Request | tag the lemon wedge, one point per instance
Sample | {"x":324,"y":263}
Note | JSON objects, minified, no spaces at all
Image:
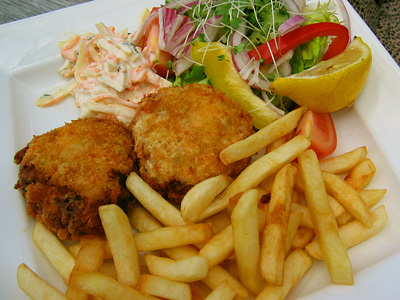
{"x":332,"y":84}
{"x":220,"y":70}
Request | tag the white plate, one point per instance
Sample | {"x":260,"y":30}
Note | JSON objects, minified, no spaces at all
{"x":29,"y":59}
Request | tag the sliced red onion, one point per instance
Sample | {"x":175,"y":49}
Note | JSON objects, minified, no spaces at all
{"x":291,"y":24}
{"x":186,"y":7}
{"x":345,"y":15}
{"x":182,"y":64}
{"x":270,"y":105}
{"x":183,"y":56}
{"x":240,"y":60}
{"x":285,"y":58}
{"x":294,"y":6}
{"x":248,"y":68}
{"x":254,"y":79}
{"x":210,"y":29}
{"x":301,"y":4}
{"x":175,"y":30}
{"x":285,"y":69}
{"x":138,"y":37}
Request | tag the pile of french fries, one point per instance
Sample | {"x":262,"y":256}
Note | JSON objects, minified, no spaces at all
{"x":254,"y":236}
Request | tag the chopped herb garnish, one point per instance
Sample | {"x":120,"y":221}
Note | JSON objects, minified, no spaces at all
{"x":169,"y":65}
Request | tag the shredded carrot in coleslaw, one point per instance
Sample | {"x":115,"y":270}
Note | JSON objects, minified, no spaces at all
{"x":110,"y":75}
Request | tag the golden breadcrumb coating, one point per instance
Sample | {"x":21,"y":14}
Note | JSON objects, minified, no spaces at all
{"x":179,"y":133}
{"x":67,"y":173}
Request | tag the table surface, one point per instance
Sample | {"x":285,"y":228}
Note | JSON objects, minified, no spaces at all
{"x":12,"y":10}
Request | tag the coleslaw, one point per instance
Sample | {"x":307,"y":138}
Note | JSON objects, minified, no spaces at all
{"x":110,"y":74}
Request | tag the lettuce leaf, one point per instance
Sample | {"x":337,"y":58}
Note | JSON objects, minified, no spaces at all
{"x":194,"y":75}
{"x":307,"y":55}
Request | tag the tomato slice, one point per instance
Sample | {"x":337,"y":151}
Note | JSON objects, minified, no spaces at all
{"x":320,"y":130}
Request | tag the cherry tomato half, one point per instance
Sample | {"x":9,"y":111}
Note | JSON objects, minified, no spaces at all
{"x":320,"y":130}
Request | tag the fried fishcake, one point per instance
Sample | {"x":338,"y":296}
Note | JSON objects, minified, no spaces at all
{"x":179,"y":133}
{"x":67,"y":173}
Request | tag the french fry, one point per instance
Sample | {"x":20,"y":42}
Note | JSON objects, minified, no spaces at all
{"x":279,"y":142}
{"x":160,"y":208}
{"x":306,"y":219}
{"x":262,"y":138}
{"x":361,"y":175}
{"x":263,"y":198}
{"x":231,"y":267}
{"x":35,"y":287}
{"x":223,"y":292}
{"x":199,"y":290}
{"x":145,"y":222}
{"x":262,"y":207}
{"x":89,"y":259}
{"x":298,"y":182}
{"x":91,"y":297}
{"x":191,"y":269}
{"x":257,"y":172}
{"x":54,"y":250}
{"x":343,"y":163}
{"x":233,"y":201}
{"x":219,"y":247}
{"x":216,"y":275}
{"x":74,"y":249}
{"x":274,"y":235}
{"x":121,"y":241}
{"x":354,"y":232}
{"x":169,"y":237}
{"x":262,"y":212}
{"x":348,"y":197}
{"x":181,"y":252}
{"x":293,"y":224}
{"x":302,"y":237}
{"x":266,"y":184}
{"x":164,"y":288}
{"x":296,"y":265}
{"x":108,"y":288}
{"x":334,"y":253}
{"x":371,"y":197}
{"x":201,"y":195}
{"x":246,"y":241}
{"x":108,"y":268}
{"x":336,"y":207}
{"x":141,"y":219}
{"x":219,"y":221}
{"x":296,"y":196}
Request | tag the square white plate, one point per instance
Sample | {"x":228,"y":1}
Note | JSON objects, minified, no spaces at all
{"x":29,"y":59}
